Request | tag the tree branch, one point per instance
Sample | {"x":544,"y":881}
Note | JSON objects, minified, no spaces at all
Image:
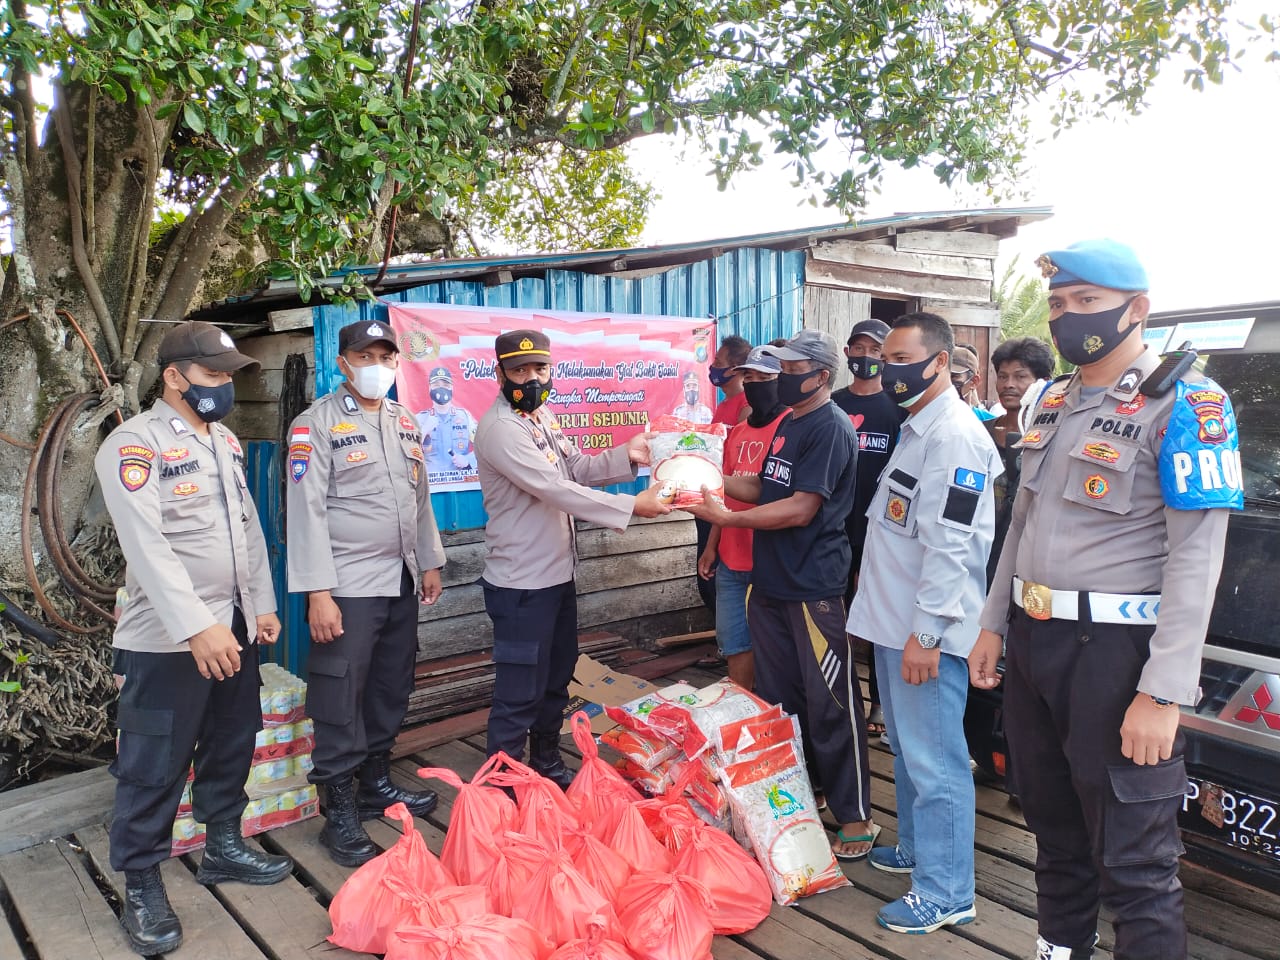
{"x":90,"y":228}
{"x":563,"y":76}
{"x":71,"y":165}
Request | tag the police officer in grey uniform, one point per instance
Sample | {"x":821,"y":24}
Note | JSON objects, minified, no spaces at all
{"x":535,"y":482}
{"x":199,"y":595}
{"x":448,"y":430}
{"x":364,"y":547}
{"x":1102,"y":597}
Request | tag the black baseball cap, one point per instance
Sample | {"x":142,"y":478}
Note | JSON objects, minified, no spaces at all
{"x":205,"y":344}
{"x":877,"y":330}
{"x":358,"y":335}
{"x":522,"y":346}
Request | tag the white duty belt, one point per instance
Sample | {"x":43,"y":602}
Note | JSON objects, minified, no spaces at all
{"x":1043,"y":603}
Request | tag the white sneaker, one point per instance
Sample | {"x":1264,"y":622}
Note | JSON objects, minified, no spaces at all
{"x":1048,"y":951}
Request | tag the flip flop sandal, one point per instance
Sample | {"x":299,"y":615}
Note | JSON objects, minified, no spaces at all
{"x":875,"y":721}
{"x":863,"y":838}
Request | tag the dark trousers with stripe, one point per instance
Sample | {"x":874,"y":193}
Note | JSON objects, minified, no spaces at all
{"x":804,"y":662}
{"x":169,"y":715}
{"x":535,"y":648}
{"x":1106,"y":829}
{"x":358,"y":685}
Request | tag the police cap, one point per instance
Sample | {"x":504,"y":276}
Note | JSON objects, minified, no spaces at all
{"x":522,"y":346}
{"x":206,"y":345}
{"x":358,"y":335}
{"x":440,"y":375}
{"x":1102,"y":263}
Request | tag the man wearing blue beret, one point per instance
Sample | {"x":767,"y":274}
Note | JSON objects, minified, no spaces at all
{"x":1101,"y":601}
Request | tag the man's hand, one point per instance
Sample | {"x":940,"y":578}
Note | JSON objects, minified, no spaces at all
{"x":1148,"y":730}
{"x":707,"y":564}
{"x":983,"y":659}
{"x":648,"y":505}
{"x":638,"y":448}
{"x":459,"y":461}
{"x":268,"y":628}
{"x":431,"y":588}
{"x":711,"y":509}
{"x":323,"y":617}
{"x":918,"y":664}
{"x":217,"y":652}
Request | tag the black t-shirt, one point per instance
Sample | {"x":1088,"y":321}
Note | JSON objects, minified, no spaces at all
{"x":816,"y":453}
{"x":877,"y":419}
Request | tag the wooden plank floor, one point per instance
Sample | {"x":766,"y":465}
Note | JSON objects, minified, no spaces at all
{"x":60,"y":899}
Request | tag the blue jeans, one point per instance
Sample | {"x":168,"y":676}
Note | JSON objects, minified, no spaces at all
{"x":931,"y":771}
{"x":732,"y":635}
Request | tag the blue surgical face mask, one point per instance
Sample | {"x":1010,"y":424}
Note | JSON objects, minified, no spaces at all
{"x":906,"y":382}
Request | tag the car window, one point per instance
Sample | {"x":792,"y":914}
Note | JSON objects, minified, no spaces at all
{"x":1253,"y":381}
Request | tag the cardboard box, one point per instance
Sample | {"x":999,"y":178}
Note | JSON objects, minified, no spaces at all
{"x":595,"y":686}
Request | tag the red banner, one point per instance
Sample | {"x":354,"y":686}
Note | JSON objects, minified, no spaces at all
{"x":611,"y":374}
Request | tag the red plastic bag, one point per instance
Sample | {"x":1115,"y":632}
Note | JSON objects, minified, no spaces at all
{"x":559,"y":902}
{"x":634,"y":842}
{"x":600,"y":865}
{"x":487,"y":937}
{"x":668,"y":815}
{"x":443,"y":906}
{"x":597,"y":786}
{"x":596,"y":946}
{"x":480,"y":814}
{"x":519,"y":858}
{"x":667,"y":917}
{"x":365,"y":909}
{"x":543,"y":811}
{"x":739,"y":890}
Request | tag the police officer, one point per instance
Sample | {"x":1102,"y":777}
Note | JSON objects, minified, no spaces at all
{"x":693,"y":409}
{"x":448,"y":430}
{"x":1102,"y":596}
{"x":199,"y":595}
{"x":922,"y":583}
{"x":535,"y":482}
{"x":363,"y":547}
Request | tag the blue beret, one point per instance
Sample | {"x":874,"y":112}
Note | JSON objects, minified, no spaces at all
{"x":1103,"y":263}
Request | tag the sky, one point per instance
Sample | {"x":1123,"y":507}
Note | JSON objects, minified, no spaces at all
{"x":1192,"y":184}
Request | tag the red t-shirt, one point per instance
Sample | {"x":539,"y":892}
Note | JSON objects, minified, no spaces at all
{"x":744,"y":453}
{"x":730,"y":409}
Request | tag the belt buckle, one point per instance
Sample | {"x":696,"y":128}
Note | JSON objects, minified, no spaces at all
{"x":1037,"y":600}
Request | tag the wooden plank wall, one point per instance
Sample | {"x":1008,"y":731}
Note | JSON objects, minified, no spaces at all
{"x":256,"y":415}
{"x":948,"y":273}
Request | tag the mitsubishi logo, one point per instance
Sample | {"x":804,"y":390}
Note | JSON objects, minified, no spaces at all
{"x":1262,"y":701}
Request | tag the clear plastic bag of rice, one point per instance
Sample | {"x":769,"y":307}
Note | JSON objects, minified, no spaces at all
{"x":686,"y":457}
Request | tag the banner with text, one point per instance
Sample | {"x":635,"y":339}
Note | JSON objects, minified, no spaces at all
{"x":611,"y":374}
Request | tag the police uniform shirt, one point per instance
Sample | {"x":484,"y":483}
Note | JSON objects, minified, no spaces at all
{"x":446,"y":435}
{"x":1090,"y":513}
{"x":535,"y":481}
{"x":187,"y":527}
{"x":929,"y":532}
{"x":358,"y":499}
{"x":693,"y":412}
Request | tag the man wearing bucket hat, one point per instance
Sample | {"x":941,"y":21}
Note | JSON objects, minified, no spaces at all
{"x":535,"y":483}
{"x":364,"y":548}
{"x":199,"y":596}
{"x":1101,"y":599}
{"x":800,"y":568}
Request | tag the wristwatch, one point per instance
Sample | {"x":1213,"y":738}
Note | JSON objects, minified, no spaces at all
{"x":928,"y":640}
{"x":1160,"y":701}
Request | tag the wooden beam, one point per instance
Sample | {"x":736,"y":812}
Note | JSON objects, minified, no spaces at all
{"x":896,"y":260}
{"x":683,"y":639}
{"x":843,"y":276}
{"x":962,"y":242}
{"x":984,"y":314}
{"x":55,"y":808}
{"x":301,"y":318}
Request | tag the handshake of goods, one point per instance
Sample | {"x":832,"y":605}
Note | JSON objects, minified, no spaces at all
{"x":686,"y":457}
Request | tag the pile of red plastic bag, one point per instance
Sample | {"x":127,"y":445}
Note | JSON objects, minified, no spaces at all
{"x":597,"y":873}
{"x":740,"y":761}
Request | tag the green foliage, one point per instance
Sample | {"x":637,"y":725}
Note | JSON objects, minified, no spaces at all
{"x":304,"y":99}
{"x":12,"y":686}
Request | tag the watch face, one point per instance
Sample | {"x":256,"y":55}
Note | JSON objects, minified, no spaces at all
{"x":927,"y":640}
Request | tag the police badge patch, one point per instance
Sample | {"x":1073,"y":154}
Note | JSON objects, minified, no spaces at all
{"x":299,"y":460}
{"x":135,"y":466}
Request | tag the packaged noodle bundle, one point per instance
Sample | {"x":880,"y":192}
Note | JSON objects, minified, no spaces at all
{"x":686,"y":457}
{"x":646,"y":752}
{"x":772,"y":798}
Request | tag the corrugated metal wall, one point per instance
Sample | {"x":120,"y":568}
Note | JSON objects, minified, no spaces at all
{"x":755,"y":293}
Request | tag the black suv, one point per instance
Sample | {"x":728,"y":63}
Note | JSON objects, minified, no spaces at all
{"x":1231,"y":814}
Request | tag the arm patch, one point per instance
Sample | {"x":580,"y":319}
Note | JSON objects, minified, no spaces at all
{"x":1200,"y":465}
{"x":961,"y":505}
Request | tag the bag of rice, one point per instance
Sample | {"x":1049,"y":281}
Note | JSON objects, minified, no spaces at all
{"x":694,"y":726}
{"x":634,"y":714}
{"x":686,"y":457}
{"x":771,"y":796}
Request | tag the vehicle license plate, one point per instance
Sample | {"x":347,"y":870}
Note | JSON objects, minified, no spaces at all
{"x":1238,"y":819}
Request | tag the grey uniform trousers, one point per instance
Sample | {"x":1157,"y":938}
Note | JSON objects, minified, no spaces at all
{"x":1106,"y":829}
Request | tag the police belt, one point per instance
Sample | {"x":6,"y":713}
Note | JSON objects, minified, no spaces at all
{"x":1043,"y":603}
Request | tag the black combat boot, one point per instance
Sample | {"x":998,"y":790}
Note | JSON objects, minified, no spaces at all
{"x":544,"y":757}
{"x":377,"y":792}
{"x":149,"y":922}
{"x":227,"y":858}
{"x":343,"y":836}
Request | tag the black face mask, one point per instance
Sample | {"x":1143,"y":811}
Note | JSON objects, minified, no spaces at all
{"x":442,"y":397}
{"x":866,"y":368}
{"x":791,"y":387}
{"x":906,"y":382}
{"x":1084,"y":338}
{"x":526,"y":397}
{"x":210,"y":404}
{"x":762,"y":398}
